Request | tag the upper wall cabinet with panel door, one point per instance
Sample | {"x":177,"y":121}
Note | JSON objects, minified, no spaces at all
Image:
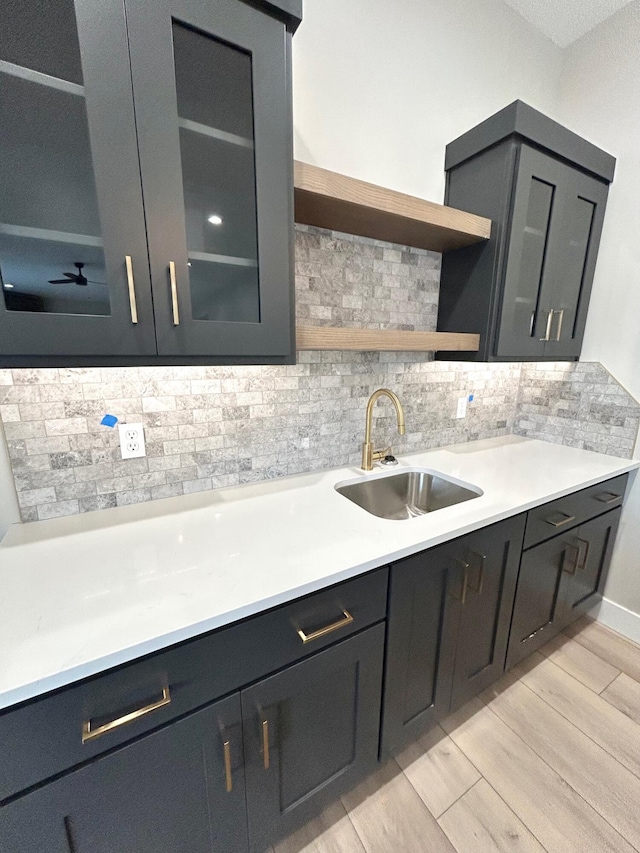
{"x":527,"y":290}
{"x":146,"y":212}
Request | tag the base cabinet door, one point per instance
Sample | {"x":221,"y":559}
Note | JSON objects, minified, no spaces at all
{"x":492,"y":555}
{"x":592,"y":546}
{"x":181,"y":788}
{"x":311,"y":732}
{"x":425,"y":596}
{"x":538,"y":604}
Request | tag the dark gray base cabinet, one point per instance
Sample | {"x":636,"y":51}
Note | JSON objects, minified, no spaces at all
{"x":448,"y":626}
{"x":308,"y":710}
{"x":559,"y":580}
{"x":281,"y":750}
{"x":310,"y":733}
{"x":526,"y":291}
{"x":167,"y":791}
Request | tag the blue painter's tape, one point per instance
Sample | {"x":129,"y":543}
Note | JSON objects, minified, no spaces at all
{"x":109,"y":421}
{"x":471,"y":398}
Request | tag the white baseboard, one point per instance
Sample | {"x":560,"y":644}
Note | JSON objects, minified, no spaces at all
{"x":615,"y":616}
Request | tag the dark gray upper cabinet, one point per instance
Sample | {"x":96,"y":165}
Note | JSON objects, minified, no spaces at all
{"x":214,"y":129}
{"x":70,"y":179}
{"x":149,"y":173}
{"x":527,"y":290}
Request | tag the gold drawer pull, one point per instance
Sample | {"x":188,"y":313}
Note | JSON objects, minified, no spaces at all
{"x":89,"y":733}
{"x":608,"y":497}
{"x":227,"y":766}
{"x":346,"y":619}
{"x":584,"y":555}
{"x":565,"y":559}
{"x":483,"y":559}
{"x":465,"y":581}
{"x":562,"y":522}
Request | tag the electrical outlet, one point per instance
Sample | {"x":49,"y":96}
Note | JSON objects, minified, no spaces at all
{"x":132,"y":441}
{"x":462,"y":407}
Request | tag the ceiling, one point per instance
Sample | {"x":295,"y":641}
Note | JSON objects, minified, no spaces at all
{"x":564,"y":21}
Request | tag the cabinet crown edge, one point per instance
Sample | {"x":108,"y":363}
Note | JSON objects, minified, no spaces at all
{"x":526,"y":123}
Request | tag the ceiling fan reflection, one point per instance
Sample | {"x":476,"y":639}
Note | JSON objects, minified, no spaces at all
{"x":75,"y":277}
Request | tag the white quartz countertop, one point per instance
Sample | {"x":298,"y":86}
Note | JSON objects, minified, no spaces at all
{"x":82,"y":594}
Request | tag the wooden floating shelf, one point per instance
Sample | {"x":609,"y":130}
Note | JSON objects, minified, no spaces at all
{"x":329,"y":200}
{"x":332,"y":338}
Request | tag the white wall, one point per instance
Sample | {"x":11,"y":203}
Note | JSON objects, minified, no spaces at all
{"x":8,"y":502}
{"x":600,"y":98}
{"x":381,"y":87}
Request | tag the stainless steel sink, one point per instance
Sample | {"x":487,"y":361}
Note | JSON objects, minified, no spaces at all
{"x":407,"y":494}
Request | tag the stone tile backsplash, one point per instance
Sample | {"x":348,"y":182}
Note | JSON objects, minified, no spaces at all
{"x":349,"y":281}
{"x":208,"y":427}
{"x":579,"y":404}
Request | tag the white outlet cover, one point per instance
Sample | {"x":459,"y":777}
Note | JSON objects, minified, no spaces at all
{"x":132,"y":441}
{"x":462,"y":407}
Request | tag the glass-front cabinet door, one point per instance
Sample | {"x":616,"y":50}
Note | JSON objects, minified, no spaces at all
{"x":556,"y":223}
{"x":580,"y":227}
{"x":213,"y":113}
{"x":74,"y":276}
{"x":533,"y":231}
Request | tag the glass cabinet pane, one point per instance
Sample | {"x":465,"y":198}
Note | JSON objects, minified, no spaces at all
{"x":534,"y":247}
{"x":571,"y":288}
{"x":42,"y":37}
{"x":51,"y":255}
{"x":215,"y":117}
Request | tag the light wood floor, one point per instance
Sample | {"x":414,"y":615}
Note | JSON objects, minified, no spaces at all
{"x":548,"y":759}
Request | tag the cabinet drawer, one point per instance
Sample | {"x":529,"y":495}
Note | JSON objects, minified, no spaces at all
{"x":77,"y":723}
{"x":547,"y":520}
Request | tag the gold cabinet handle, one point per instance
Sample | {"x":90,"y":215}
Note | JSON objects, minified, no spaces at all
{"x":345,"y":619}
{"x":227,"y":766}
{"x":547,"y":334}
{"x":89,"y":733}
{"x":565,"y":568}
{"x":465,"y":581}
{"x":608,"y":497}
{"x":265,"y":744}
{"x":132,"y":289}
{"x":561,"y":522}
{"x":174,"y":293}
{"x":483,"y":558}
{"x":582,"y":560}
{"x":561,"y":318}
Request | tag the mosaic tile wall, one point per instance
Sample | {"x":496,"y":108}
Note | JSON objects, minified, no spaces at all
{"x":211,"y":427}
{"x":208,"y":427}
{"x":581,"y":405}
{"x":349,"y":281}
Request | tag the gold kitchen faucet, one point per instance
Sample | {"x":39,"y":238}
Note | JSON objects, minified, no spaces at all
{"x":369,"y":455}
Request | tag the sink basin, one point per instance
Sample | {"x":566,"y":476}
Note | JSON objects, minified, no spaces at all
{"x":407,"y":494}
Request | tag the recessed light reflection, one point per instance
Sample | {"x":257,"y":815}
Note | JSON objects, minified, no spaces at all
{"x":214,"y":219}
{"x":8,"y":286}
